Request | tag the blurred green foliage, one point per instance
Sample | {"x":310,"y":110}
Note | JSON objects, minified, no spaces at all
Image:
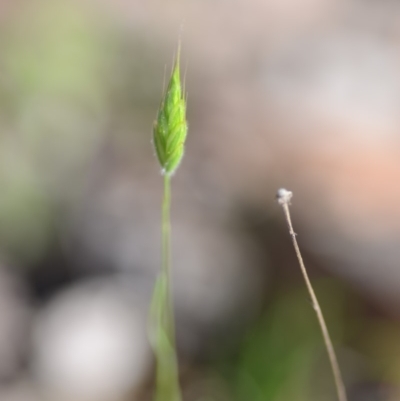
{"x":52,"y":98}
{"x":54,"y":48}
{"x":283,"y":356}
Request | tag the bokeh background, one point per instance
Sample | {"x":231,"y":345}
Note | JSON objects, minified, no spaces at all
{"x":299,"y":94}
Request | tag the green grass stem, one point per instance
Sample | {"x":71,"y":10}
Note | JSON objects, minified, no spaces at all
{"x":166,"y":254}
{"x":162,"y":316}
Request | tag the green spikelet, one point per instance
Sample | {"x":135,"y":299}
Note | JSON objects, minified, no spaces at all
{"x":170,"y":128}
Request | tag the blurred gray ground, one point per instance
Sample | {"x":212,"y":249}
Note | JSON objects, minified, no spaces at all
{"x":301,"y":94}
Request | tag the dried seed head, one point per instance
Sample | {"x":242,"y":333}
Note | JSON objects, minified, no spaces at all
{"x":284,"y":196}
{"x":170,"y":128}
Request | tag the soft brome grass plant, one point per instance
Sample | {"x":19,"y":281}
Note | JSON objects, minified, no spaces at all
{"x":169,"y":134}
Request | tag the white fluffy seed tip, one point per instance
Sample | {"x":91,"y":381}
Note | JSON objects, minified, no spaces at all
{"x":284,"y":196}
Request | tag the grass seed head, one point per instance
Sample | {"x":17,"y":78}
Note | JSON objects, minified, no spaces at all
{"x":170,"y":127}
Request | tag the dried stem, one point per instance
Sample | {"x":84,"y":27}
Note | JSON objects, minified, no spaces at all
{"x":284,"y":197}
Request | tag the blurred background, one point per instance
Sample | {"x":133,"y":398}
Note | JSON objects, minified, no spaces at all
{"x":299,"y":94}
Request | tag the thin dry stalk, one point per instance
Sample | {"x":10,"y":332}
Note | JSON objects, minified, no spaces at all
{"x":284,"y":197}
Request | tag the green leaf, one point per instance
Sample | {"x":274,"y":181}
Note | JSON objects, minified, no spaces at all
{"x":167,"y":385}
